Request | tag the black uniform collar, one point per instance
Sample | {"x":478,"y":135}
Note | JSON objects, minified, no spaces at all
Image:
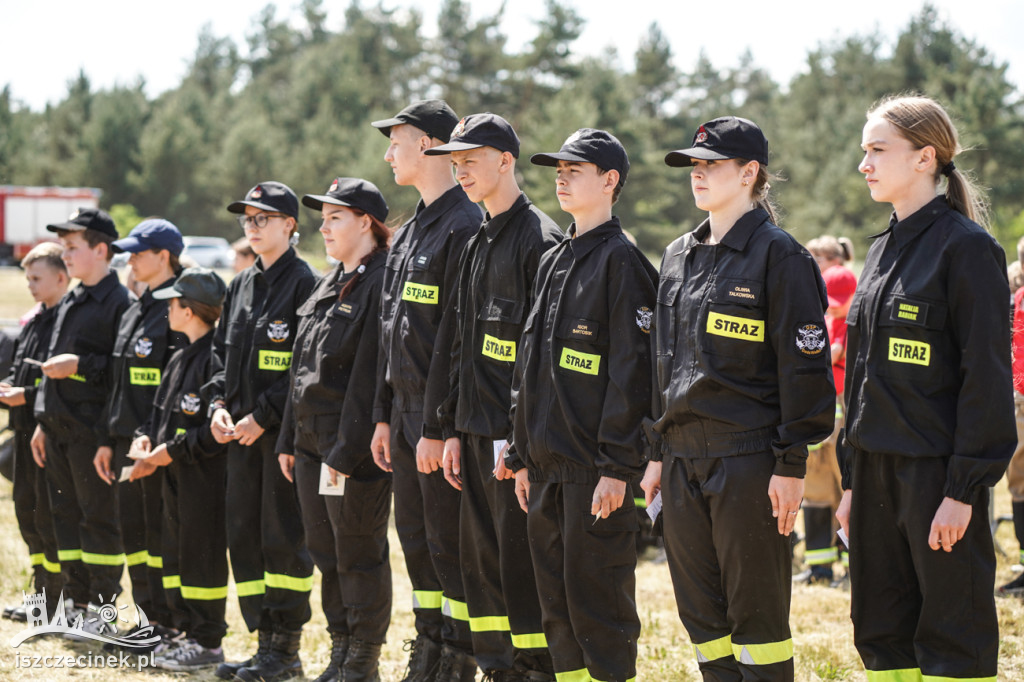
{"x":425,"y":215}
{"x":100,"y":290}
{"x":332,"y":283}
{"x":203,"y":342}
{"x":906,"y":230}
{"x":492,"y":226}
{"x":586,"y":242}
{"x":147,"y":296}
{"x":739,"y":235}
{"x":280,"y":266}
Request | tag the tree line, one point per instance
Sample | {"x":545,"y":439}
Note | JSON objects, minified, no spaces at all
{"x":294,"y":104}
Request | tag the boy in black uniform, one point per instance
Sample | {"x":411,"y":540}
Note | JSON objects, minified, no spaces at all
{"x":493,"y":298}
{"x":70,"y":408}
{"x":419,"y":285}
{"x":583,"y":383}
{"x":47,"y":282}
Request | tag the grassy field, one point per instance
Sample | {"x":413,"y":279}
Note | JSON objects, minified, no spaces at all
{"x":822,"y":632}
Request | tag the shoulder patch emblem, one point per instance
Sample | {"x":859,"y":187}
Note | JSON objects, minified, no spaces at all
{"x":143,"y":347}
{"x":190,"y":403}
{"x":810,"y":340}
{"x":278,"y":331}
{"x":643,"y":319}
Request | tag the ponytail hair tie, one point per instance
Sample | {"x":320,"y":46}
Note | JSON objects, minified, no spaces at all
{"x":948,"y":169}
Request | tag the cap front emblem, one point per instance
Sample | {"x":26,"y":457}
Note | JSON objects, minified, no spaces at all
{"x":256,"y":192}
{"x":73,"y":215}
{"x":334,"y":186}
{"x":460,"y":128}
{"x":701,"y":137}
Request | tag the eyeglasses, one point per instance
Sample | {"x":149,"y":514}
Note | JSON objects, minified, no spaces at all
{"x":260,"y":220}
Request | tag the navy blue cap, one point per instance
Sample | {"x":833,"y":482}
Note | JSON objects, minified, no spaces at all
{"x":275,"y":197}
{"x":480,"y":130}
{"x":588,"y":145}
{"x":155,"y":233}
{"x":354,"y":193}
{"x":728,"y":137}
{"x":87,"y":219}
{"x":196,"y":284}
{"x":432,"y":116}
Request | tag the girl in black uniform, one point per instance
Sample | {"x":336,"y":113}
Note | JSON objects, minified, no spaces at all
{"x":930,"y":421}
{"x":743,"y":387}
{"x":327,"y":427}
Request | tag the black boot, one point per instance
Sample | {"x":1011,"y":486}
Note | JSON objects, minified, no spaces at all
{"x":424,"y":654}
{"x":455,"y":666}
{"x":361,"y":662}
{"x":227,"y":671}
{"x":282,"y":663}
{"x":339,"y":649}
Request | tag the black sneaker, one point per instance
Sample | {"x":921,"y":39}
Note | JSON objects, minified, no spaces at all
{"x":193,"y":656}
{"x":1014,"y":588}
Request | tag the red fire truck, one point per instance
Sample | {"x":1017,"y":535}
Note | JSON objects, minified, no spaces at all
{"x":26,"y":211}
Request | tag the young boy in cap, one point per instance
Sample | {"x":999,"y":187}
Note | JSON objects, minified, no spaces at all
{"x":493,"y":297}
{"x":252,"y":352}
{"x":47,"y":282}
{"x":581,"y":394}
{"x":143,"y":346}
{"x":69,"y":407}
{"x":419,"y":287}
{"x":176,"y":439}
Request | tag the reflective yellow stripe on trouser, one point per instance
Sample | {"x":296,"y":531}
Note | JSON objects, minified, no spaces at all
{"x":940,"y":678}
{"x":713,"y":650}
{"x":102,"y":559}
{"x":763,"y":654}
{"x":136,"y":558}
{"x":172,"y":582}
{"x":154,"y":561}
{"x":581,"y":675}
{"x":489,"y":624}
{"x":456,"y":610}
{"x":533,"y":640}
{"x":250,"y":588}
{"x":40,"y":560}
{"x":69,"y":555}
{"x":204,"y":593}
{"x":904,"y":675}
{"x":287,"y":582}
{"x":427,"y":599}
{"x":819,"y":557}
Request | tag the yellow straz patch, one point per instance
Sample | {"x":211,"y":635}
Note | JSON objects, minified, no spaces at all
{"x":910,"y":352}
{"x":77,"y":377}
{"x":585,"y":363}
{"x":735,"y":327}
{"x":144,"y":376}
{"x":420,"y":293}
{"x":275,"y":360}
{"x":499,"y":349}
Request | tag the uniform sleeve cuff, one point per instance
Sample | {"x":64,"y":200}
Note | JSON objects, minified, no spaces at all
{"x":790,"y":470}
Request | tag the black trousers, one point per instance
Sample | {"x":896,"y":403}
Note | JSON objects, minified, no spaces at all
{"x":272,"y":569}
{"x":497,"y":572}
{"x":139,"y":508}
{"x":730,"y":567}
{"x":347,"y":537}
{"x":426,"y":518}
{"x":586,"y":581}
{"x":821,"y":550}
{"x":195,"y":547}
{"x":32,"y":511}
{"x":914,"y":607}
{"x":84,"y":518}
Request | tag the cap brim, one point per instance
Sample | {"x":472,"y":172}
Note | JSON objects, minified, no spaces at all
{"x":685,"y":157}
{"x":317,"y":201}
{"x":553,"y":159}
{"x":387,"y":124}
{"x":239,"y":207}
{"x":129,"y":244}
{"x":452,"y":147}
{"x":69,"y":227}
{"x":166,"y":292}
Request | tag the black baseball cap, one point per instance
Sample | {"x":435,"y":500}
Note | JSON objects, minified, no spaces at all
{"x":88,"y":219}
{"x":728,"y":137}
{"x":480,"y":130}
{"x":432,"y":116}
{"x":155,"y":233}
{"x":269,"y":196}
{"x":588,"y":145}
{"x":354,"y":193}
{"x":196,"y":284}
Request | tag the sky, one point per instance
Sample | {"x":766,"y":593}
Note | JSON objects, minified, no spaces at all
{"x":45,"y":44}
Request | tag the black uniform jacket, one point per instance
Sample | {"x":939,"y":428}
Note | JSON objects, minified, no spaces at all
{"x":495,"y":290}
{"x":178,"y":416}
{"x":33,"y":342}
{"x":743,"y":362}
{"x":582,"y":382}
{"x":252,"y":349}
{"x":87,"y":322}
{"x":143,"y":346}
{"x":334,"y":372}
{"x":928,"y":350}
{"x":419,"y":284}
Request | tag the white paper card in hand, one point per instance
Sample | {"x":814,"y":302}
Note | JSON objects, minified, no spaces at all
{"x":328,"y":488}
{"x":126,"y":473}
{"x":499,"y":445}
{"x":654,"y":508}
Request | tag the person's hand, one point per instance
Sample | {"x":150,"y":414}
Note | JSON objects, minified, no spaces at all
{"x":38,"y":447}
{"x":287,"y":463}
{"x":221,"y":426}
{"x":334,"y":475}
{"x":146,"y":461}
{"x":12,"y":396}
{"x":949,"y":524}
{"x":429,"y":454}
{"x":61,"y":366}
{"x":651,"y":482}
{"x":451,"y":460}
{"x":380,"y":446}
{"x":523,"y":488}
{"x":843,"y":512}
{"x":247,"y":431}
{"x":786,"y":493}
{"x":502,"y":472}
{"x":609,"y":494}
{"x":101,"y":462}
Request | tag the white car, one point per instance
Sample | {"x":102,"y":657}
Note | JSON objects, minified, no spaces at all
{"x":209,"y":252}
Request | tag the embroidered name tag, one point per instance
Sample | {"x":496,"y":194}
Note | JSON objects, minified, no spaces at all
{"x":499,"y":349}
{"x":585,"y":363}
{"x":735,"y":327}
{"x":910,"y":352}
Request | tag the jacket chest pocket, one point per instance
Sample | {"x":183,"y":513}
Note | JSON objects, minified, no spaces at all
{"x":735,"y":322}
{"x":913,"y":344}
{"x":424,"y":275}
{"x":583,"y":346}
{"x":500,"y":329}
{"x":342,"y":318}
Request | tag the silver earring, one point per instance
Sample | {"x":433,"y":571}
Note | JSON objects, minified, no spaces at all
{"x":745,"y":183}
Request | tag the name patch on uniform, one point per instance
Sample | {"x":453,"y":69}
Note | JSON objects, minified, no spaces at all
{"x":583,"y":329}
{"x":905,"y":310}
{"x":735,"y":327}
{"x":275,"y":360}
{"x":144,"y":376}
{"x":910,"y":352}
{"x":499,"y":349}
{"x":746,"y":292}
{"x":585,"y":363}
{"x":346,"y":309}
{"x":420,"y":293}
